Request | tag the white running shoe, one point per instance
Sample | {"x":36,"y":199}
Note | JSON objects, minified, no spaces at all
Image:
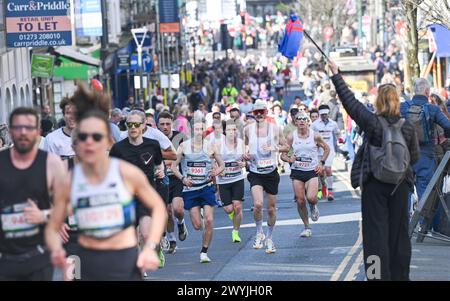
{"x":315,"y":214}
{"x":270,"y":247}
{"x":165,"y":244}
{"x":204,"y":258}
{"x":306,"y":233}
{"x":259,"y":241}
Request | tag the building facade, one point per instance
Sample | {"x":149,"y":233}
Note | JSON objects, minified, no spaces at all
{"x":15,"y":74}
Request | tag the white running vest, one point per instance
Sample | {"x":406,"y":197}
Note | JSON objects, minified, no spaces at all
{"x":263,"y":162}
{"x":306,"y":152}
{"x":105,"y":209}
{"x":197,"y":166}
{"x":232,"y":172}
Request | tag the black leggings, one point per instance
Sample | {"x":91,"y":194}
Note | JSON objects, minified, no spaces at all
{"x":385,"y":223}
{"x":118,"y":265}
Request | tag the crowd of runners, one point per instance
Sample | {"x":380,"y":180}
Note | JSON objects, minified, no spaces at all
{"x":113,"y":187}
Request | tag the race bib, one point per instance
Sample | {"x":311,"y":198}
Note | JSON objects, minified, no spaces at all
{"x":14,"y":224}
{"x":100,"y":217}
{"x":232,"y":170}
{"x":72,"y":222}
{"x":264,"y":164}
{"x":303,"y":163}
{"x":326,"y":135}
{"x":197,"y":171}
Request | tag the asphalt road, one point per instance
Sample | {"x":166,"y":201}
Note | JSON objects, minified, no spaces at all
{"x":332,"y":253}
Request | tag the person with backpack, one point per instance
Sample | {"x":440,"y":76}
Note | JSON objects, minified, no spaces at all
{"x":383,"y":170}
{"x":424,"y":117}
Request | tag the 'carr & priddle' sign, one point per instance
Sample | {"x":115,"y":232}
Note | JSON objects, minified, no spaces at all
{"x":38,"y":24}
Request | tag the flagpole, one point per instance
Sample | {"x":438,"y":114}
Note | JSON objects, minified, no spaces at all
{"x":315,"y":44}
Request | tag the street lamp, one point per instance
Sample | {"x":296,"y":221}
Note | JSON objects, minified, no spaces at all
{"x":139,"y":44}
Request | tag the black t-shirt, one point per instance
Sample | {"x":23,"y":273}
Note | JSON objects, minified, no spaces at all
{"x":145,"y":156}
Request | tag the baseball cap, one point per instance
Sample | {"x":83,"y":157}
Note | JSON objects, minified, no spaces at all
{"x":260,"y":105}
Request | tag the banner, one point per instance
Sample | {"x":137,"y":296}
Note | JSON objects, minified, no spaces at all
{"x":42,"y":65}
{"x":168,"y":11}
{"x":38,"y":24}
{"x":88,"y":18}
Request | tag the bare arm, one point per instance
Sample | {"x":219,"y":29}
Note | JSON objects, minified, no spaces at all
{"x":149,"y":197}
{"x":176,"y":163}
{"x":283,"y":146}
{"x":169,"y":154}
{"x":321,"y":143}
{"x":284,"y":155}
{"x":60,"y":184}
{"x":219,"y":161}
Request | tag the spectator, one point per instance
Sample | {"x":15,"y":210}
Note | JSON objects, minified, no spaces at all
{"x":385,"y":219}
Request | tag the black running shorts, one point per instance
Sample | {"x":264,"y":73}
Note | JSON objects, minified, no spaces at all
{"x":231,"y":192}
{"x":269,"y":182}
{"x":303,"y":176}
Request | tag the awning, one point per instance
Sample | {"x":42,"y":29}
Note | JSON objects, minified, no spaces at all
{"x":74,"y":55}
{"x":442,"y":38}
{"x":74,"y":69}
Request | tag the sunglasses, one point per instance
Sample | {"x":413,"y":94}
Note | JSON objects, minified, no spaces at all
{"x":259,"y":112}
{"x":302,"y":118}
{"x":18,"y":128}
{"x":134,"y":125}
{"x":97,"y":137}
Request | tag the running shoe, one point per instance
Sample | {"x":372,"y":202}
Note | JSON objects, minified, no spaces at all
{"x":270,"y":247}
{"x":182,"y":231}
{"x":315,"y":214}
{"x":319,"y":195}
{"x":173,"y":247}
{"x":330,"y":196}
{"x":235,"y":236}
{"x":162,"y":258}
{"x":259,"y":241}
{"x":164,"y":243}
{"x":204,"y":258}
{"x":306,"y":233}
{"x":231,"y":215}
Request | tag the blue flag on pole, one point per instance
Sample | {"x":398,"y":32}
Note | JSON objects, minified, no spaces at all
{"x":293,"y":37}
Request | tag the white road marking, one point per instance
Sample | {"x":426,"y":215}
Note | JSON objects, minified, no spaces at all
{"x":347,"y":258}
{"x":329,"y":219}
{"x":355,"y":268}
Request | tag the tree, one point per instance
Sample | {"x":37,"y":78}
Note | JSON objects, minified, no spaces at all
{"x":420,"y":14}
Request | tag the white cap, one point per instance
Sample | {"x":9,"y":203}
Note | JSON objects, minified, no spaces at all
{"x":260,"y":105}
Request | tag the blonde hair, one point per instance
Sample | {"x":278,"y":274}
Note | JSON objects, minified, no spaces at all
{"x":388,"y":101}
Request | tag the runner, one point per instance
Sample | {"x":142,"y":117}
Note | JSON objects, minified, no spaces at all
{"x":264,"y":141}
{"x":314,"y":115}
{"x":100,"y":192}
{"x":59,"y":142}
{"x":24,"y":204}
{"x":231,"y":181}
{"x":175,"y":207}
{"x":329,"y":131}
{"x":145,"y":154}
{"x":195,"y":156}
{"x":305,"y":168}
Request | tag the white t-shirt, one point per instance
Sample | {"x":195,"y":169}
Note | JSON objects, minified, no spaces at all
{"x":154,"y":134}
{"x":59,"y":143}
{"x":327,"y":131}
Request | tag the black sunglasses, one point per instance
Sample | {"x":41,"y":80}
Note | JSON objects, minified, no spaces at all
{"x":134,"y":124}
{"x":97,"y":137}
{"x":302,"y":118}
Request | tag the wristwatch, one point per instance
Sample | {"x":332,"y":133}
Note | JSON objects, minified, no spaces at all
{"x":152,"y":245}
{"x":323,"y":162}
